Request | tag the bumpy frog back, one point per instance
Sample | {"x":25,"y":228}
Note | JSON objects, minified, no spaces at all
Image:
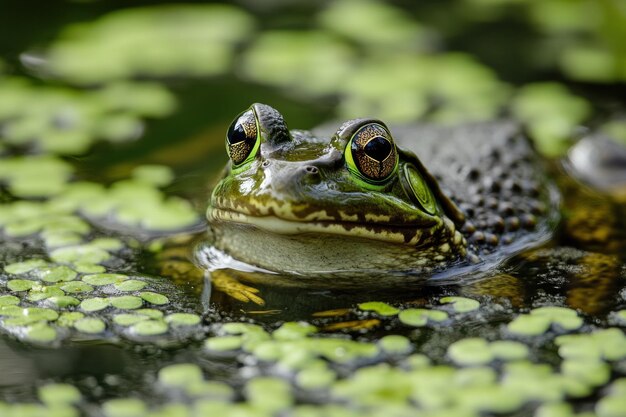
{"x":491,"y":171}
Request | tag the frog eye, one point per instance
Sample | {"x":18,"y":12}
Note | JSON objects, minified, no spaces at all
{"x":371,"y":153}
{"x":417,"y":189}
{"x":242,"y":138}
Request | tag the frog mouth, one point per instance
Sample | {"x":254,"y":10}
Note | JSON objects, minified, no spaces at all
{"x":274,"y":224}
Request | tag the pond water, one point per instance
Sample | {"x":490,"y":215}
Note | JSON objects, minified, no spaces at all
{"x":112,"y":125}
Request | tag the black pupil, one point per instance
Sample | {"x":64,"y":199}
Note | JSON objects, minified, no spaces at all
{"x":378,"y":148}
{"x":236,"y":132}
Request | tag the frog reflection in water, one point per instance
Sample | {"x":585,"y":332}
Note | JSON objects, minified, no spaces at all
{"x":367,"y":205}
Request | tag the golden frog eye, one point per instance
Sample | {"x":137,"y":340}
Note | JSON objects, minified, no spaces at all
{"x":371,"y":153}
{"x":242,"y":138}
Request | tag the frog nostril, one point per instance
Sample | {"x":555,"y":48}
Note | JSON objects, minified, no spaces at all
{"x":265,"y":163}
{"x":310,"y":169}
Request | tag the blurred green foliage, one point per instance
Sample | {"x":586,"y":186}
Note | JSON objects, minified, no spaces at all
{"x":363,"y":58}
{"x":158,"y":41}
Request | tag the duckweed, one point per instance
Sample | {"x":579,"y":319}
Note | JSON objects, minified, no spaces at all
{"x":154,"y":298}
{"x":315,"y":377}
{"x":416,"y":361}
{"x":68,"y":318}
{"x":540,"y":319}
{"x":473,"y":351}
{"x":223,"y":343}
{"x":614,"y":404}
{"x":608,"y":344}
{"x":20,"y":284}
{"x":182,"y":319}
{"x":551,"y":112}
{"x":80,"y":253}
{"x":56,"y":274}
{"x":285,"y":58}
{"x":124,"y":407}
{"x":126,"y":302}
{"x":156,"y":175}
{"x":25,"y":266}
{"x":51,"y":394}
{"x":461,"y":304}
{"x":33,"y":176}
{"x":94,"y":304}
{"x":420,"y":317}
{"x":58,"y":239}
{"x":591,"y":372}
{"x":251,"y":335}
{"x":104,"y":279}
{"x":67,"y":121}
{"x":180,"y":375}
{"x":128,"y":319}
{"x":36,"y":313}
{"x":294,"y":330}
{"x":150,"y":313}
{"x":9,"y":300}
{"x":64,"y":301}
{"x":40,"y":332}
{"x":477,"y":351}
{"x":107,"y":243}
{"x":196,"y":40}
{"x":130,"y":285}
{"x":211,"y":390}
{"x":395,"y":344}
{"x":269,"y":393}
{"x":395,"y":29}
{"x":77,"y":287}
{"x":40,"y":292}
{"x":90,"y":325}
{"x":382,"y":309}
{"x":149,"y":328}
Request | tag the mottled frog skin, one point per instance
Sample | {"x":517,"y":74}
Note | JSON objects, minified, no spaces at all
{"x":367,"y":204}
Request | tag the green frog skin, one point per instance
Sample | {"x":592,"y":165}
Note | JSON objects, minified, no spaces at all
{"x":363,"y":203}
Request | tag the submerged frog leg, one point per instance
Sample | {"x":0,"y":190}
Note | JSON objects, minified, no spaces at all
{"x":228,"y":283}
{"x":173,"y":262}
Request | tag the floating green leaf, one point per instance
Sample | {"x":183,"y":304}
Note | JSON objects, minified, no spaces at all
{"x":419,"y":316}
{"x":40,"y":332}
{"x":126,"y":302}
{"x":154,"y":298}
{"x":94,"y":304}
{"x":130,"y":285}
{"x":20,"y":284}
{"x":182,"y":319}
{"x":379,"y":308}
{"x":104,"y":279}
{"x":25,"y":266}
{"x":395,"y":344}
{"x":90,"y":325}
{"x":149,"y":328}
{"x":461,"y":304}
{"x":540,"y":319}
{"x":58,"y":394}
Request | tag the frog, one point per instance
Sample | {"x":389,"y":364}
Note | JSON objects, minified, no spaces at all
{"x":364,"y":204}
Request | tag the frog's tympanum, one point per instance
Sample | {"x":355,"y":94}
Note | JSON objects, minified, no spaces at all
{"x":412,"y":202}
